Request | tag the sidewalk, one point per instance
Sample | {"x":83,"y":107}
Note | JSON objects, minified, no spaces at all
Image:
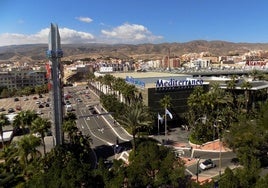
{"x":213,"y":146}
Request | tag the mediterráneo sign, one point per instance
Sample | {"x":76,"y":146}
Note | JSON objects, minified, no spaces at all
{"x":173,"y":83}
{"x":136,"y":82}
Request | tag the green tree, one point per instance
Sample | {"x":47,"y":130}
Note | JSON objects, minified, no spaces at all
{"x":24,"y":119}
{"x":27,"y":149}
{"x":136,"y":116}
{"x":70,"y":128}
{"x":154,"y":166}
{"x":91,"y":77}
{"x":10,"y":168}
{"x":262,"y":182}
{"x":41,"y":126}
{"x":3,"y":122}
{"x":118,"y":85}
{"x":108,"y":80}
{"x":246,"y":86}
{"x":129,"y":93}
{"x":229,"y":179}
{"x":62,"y":168}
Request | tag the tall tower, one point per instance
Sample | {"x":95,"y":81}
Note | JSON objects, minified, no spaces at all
{"x":55,"y":83}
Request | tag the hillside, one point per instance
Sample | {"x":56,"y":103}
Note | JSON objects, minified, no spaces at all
{"x":36,"y":52}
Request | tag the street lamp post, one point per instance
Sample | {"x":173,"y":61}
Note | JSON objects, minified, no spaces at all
{"x":220,"y":154}
{"x":197,"y":169}
{"x":220,"y":143}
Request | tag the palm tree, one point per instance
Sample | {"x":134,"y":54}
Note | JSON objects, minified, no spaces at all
{"x":136,"y":116}
{"x":231,"y":85}
{"x":41,"y":126}
{"x":70,"y":128}
{"x":90,"y":77}
{"x":99,"y":79}
{"x":118,"y":85}
{"x":246,"y":86}
{"x":129,"y":93}
{"x":3,"y":122}
{"x":108,"y":80}
{"x":9,"y":155}
{"x":24,"y":119}
{"x":254,"y":73}
{"x":27,"y":148}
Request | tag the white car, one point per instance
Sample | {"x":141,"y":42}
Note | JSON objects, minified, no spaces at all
{"x":207,"y":164}
{"x":39,"y":112}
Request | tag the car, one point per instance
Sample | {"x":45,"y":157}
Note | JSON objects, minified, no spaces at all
{"x":39,"y":112}
{"x":25,"y":99}
{"x":79,"y":100}
{"x":2,"y":109}
{"x":16,"y":99}
{"x":34,"y":98}
{"x":18,"y":107}
{"x":38,"y":102}
{"x":91,"y":108}
{"x":207,"y":164}
{"x":11,"y":110}
{"x":47,"y":104}
{"x":41,"y":106}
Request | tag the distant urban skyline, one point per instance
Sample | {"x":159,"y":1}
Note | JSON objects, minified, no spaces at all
{"x":134,"y":22}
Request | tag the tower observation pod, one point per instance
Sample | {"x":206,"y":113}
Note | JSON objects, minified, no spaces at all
{"x":55,"y":82}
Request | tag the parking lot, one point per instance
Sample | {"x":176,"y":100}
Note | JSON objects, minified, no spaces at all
{"x":32,"y":102}
{"x":41,"y":105}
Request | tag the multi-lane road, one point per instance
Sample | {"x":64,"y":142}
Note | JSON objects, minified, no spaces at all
{"x":95,"y":121}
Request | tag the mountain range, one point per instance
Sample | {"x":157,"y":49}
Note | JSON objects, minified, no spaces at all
{"x":37,"y":52}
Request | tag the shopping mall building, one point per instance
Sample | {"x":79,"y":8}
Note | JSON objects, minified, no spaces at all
{"x":153,"y":86}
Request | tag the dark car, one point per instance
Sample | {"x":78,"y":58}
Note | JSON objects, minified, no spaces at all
{"x":41,"y":106}
{"x":91,"y":108}
{"x":16,"y":99}
{"x":207,"y":164}
{"x":11,"y":110}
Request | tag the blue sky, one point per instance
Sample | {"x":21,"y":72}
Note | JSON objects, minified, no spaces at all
{"x":134,"y":21}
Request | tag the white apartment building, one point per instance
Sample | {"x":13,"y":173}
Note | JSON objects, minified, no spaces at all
{"x":199,"y":63}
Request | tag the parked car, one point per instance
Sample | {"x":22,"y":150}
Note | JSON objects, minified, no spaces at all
{"x":18,"y":107}
{"x":16,"y":99}
{"x":11,"y":110}
{"x":207,"y":164}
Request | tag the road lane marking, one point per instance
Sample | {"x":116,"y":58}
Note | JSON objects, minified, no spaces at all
{"x":92,"y":133}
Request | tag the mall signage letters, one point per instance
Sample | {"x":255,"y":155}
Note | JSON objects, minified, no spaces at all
{"x":136,"y":82}
{"x":178,"y":83}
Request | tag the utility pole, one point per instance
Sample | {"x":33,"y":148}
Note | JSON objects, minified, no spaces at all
{"x":197,"y":169}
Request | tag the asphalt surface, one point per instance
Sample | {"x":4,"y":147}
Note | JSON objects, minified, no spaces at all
{"x":108,"y":138}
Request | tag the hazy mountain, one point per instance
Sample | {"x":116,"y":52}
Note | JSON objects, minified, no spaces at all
{"x":36,"y":52}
